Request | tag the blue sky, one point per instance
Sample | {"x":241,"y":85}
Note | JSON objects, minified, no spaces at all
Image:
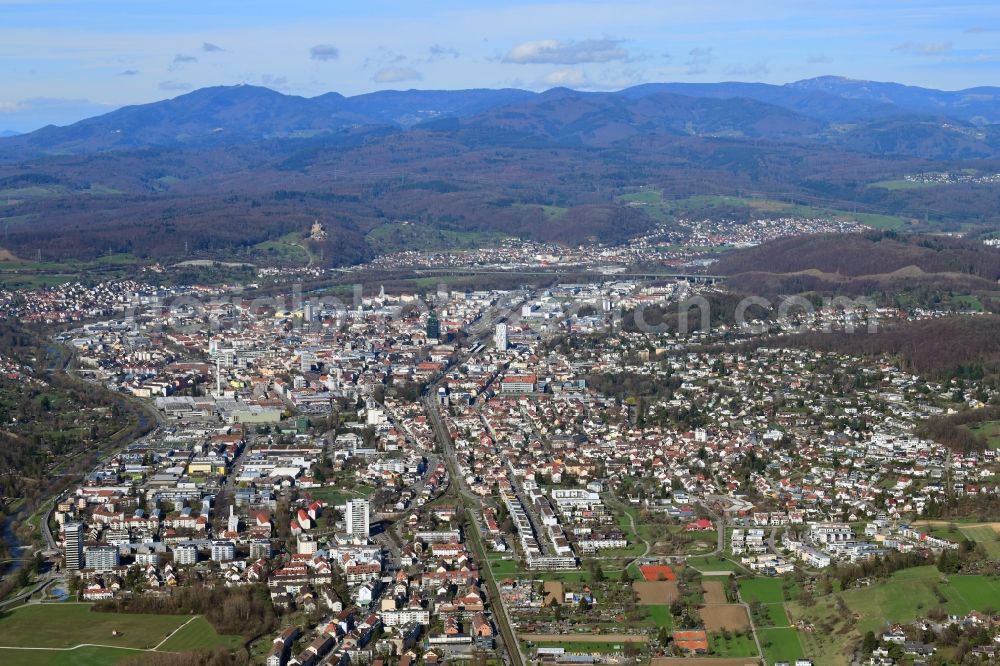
{"x":66,"y":60}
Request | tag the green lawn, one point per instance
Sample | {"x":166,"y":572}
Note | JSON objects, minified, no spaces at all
{"x":713,"y":563}
{"x":764,"y":590}
{"x":502,"y":568}
{"x":69,"y":624}
{"x":199,"y":635}
{"x":741,"y":645}
{"x":781,"y":645}
{"x":777,"y":615}
{"x":335,"y":496}
{"x":660,"y":614}
{"x":82,"y":656}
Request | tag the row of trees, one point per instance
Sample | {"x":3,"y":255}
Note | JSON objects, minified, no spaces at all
{"x":244,"y":610}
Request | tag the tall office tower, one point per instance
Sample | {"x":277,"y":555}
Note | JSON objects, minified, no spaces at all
{"x":433,"y":328}
{"x":73,"y":537}
{"x":500,"y":337}
{"x":358,"y":518}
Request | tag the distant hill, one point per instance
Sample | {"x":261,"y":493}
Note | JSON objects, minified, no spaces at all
{"x":227,"y":115}
{"x":607,"y":118}
{"x":820,"y":105}
{"x":243,"y":170}
{"x":877,"y":118}
{"x":980,"y":105}
{"x":7,"y":133}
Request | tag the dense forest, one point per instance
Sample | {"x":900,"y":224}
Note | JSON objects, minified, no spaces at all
{"x":963,"y":347}
{"x":871,"y":253}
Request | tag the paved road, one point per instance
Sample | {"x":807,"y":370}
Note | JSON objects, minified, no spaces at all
{"x":26,"y":596}
{"x":468,"y":499}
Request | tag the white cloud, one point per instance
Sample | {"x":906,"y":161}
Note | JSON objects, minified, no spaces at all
{"x":555,"y":52}
{"x":924,"y":48}
{"x":438,"y":52}
{"x":324,"y":52}
{"x":209,"y":47}
{"x":698,"y":60}
{"x":570,"y":78}
{"x":396,"y":74}
{"x":578,"y":79}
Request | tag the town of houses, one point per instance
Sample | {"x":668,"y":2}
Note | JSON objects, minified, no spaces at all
{"x":326,"y":452}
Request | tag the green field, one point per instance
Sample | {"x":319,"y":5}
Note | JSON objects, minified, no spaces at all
{"x":988,"y":430}
{"x":714,"y":563}
{"x":660,"y":614}
{"x":290,"y":248}
{"x":908,"y":595}
{"x":504,"y":568}
{"x":68,"y":625}
{"x":780,"y":645}
{"x":82,"y":656}
{"x":647,"y":195}
{"x":900,"y":184}
{"x":764,"y":590}
{"x":980,"y":533}
{"x":985,"y":535}
{"x":736,"y":645}
{"x":335,"y":496}
{"x":199,"y":634}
